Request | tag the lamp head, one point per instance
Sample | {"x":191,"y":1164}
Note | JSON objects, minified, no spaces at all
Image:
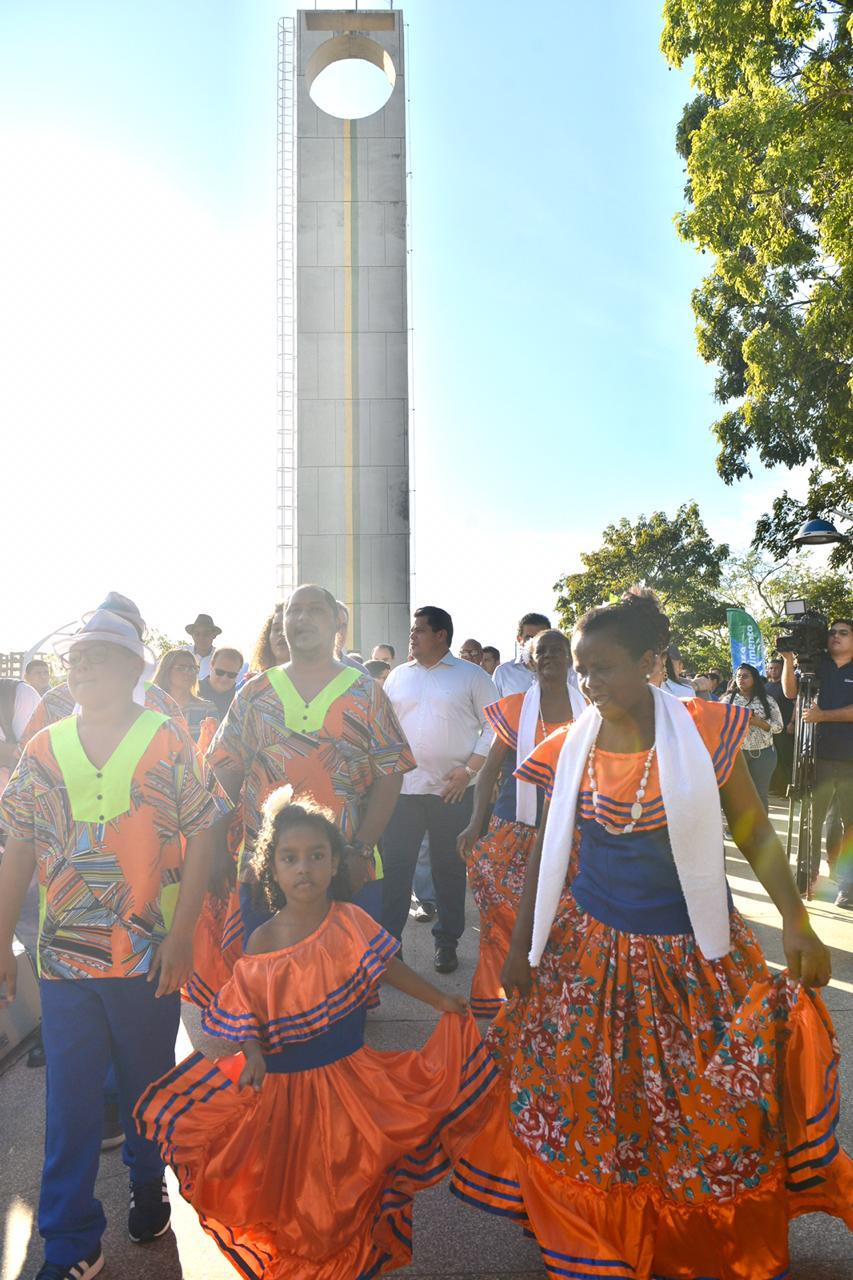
{"x":816,"y":533}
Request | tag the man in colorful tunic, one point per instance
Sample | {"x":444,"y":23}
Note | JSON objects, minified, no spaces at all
{"x":109,"y":806}
{"x":324,"y":728}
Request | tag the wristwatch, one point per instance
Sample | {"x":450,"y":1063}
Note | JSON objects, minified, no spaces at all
{"x":360,"y":848}
{"x":472,"y":773}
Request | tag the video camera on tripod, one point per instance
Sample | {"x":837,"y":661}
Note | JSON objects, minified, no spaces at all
{"x":807,"y":640}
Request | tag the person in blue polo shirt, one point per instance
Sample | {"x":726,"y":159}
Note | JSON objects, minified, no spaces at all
{"x":833,"y":714}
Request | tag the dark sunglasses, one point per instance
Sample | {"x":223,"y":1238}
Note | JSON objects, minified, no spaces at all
{"x":225,"y":675}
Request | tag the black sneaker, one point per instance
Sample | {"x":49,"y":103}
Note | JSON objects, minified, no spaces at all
{"x":845,"y":899}
{"x":150,"y":1211}
{"x":113,"y":1128}
{"x":445,"y":960}
{"x":36,"y":1056}
{"x":424,"y":912}
{"x":81,"y":1270}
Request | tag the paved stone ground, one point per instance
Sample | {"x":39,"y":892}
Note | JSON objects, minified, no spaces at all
{"x":451,"y":1240}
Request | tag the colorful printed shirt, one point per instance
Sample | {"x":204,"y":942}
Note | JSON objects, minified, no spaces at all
{"x":332,"y":748}
{"x":59,"y":702}
{"x":109,"y":842}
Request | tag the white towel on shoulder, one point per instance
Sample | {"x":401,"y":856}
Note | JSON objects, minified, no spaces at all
{"x":525,"y":792}
{"x":692,"y":803}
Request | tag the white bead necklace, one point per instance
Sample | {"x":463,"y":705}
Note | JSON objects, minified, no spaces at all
{"x":636,"y":807}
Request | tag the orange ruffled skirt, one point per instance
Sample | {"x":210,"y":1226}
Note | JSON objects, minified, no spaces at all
{"x":496,"y":871}
{"x":660,"y":1115}
{"x":217,"y":946}
{"x":312,"y":1177}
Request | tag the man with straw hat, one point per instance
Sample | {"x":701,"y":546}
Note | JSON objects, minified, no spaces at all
{"x":109,"y":806}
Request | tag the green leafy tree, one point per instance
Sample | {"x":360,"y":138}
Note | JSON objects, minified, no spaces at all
{"x":159,"y":643}
{"x":762,"y":586}
{"x":768,"y":145}
{"x":677,"y":558}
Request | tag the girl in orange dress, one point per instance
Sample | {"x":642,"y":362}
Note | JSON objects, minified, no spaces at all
{"x":667,"y":1104}
{"x":302,"y":1155}
{"x":497,"y":862}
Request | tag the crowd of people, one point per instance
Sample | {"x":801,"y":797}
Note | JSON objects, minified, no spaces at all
{"x":649,"y":1099}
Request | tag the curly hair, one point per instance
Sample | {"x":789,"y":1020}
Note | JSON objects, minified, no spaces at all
{"x":280,"y":812}
{"x":637,"y":622}
{"x":262,"y":657}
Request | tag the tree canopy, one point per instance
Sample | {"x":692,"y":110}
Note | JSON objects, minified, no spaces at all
{"x":768,"y":146}
{"x":676,"y":557}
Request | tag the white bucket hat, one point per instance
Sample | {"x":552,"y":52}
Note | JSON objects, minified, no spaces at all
{"x":105,"y":627}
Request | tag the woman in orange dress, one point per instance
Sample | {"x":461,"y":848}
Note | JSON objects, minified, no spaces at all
{"x":668,"y":1104}
{"x":302,"y":1155}
{"x":497,"y":862}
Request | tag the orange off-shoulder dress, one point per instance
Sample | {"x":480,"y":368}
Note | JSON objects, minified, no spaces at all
{"x":661,"y":1116}
{"x":312,"y":1177}
{"x":498,"y":863}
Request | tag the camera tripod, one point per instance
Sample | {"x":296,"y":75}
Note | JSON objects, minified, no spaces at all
{"x":801,"y":790}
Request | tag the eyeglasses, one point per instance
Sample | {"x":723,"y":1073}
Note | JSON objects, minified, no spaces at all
{"x":189,"y":670}
{"x":225,"y":675}
{"x":96,"y":655}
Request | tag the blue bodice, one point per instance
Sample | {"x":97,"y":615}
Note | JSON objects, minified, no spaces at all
{"x":343,"y":1038}
{"x":629,"y":881}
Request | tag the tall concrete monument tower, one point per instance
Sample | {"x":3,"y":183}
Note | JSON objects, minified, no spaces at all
{"x":344,"y":461}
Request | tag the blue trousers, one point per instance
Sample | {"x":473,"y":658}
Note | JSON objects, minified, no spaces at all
{"x":761,"y":768}
{"x":86,"y":1024}
{"x":423,"y":886}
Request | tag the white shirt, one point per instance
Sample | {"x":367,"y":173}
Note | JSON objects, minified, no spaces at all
{"x":441,"y":711}
{"x":677,"y":689}
{"x":515,"y":677}
{"x":26,"y":701}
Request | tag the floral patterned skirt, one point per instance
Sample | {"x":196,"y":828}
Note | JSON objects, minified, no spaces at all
{"x":496,"y":871}
{"x":662,"y":1115}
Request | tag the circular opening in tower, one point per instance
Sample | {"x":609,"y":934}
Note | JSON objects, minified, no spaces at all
{"x":350,"y":77}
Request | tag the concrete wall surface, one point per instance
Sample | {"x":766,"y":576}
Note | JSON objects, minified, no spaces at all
{"x":352,"y":341}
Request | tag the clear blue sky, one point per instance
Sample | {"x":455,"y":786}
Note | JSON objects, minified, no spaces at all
{"x":557,"y":385}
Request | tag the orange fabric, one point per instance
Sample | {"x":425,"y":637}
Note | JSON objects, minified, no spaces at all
{"x":217,"y":945}
{"x":496,"y":870}
{"x":312,"y":1177}
{"x":721,"y":727}
{"x":206,"y":733}
{"x":649,"y":1099}
{"x":497,"y":866}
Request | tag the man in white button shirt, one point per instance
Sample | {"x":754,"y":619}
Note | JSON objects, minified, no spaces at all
{"x":439,"y":701}
{"x":516,"y":676}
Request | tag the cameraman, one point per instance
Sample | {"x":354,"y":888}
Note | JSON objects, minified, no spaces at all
{"x":833,"y":714}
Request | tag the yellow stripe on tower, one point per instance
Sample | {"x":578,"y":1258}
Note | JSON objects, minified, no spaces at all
{"x":348,"y":338}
